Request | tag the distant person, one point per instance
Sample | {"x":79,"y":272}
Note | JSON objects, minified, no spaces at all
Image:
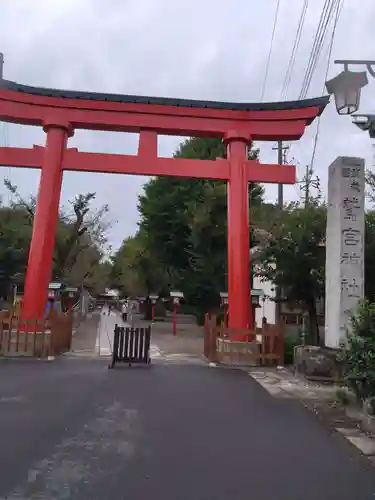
{"x":130,"y":312}
{"x":109,"y":308}
{"x":50,"y":305}
{"x":125,"y":309}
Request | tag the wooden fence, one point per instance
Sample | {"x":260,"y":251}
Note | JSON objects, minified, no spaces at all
{"x":263,"y":346}
{"x":35,"y":338}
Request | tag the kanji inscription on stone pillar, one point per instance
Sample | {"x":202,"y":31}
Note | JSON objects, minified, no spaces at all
{"x":344,"y":246}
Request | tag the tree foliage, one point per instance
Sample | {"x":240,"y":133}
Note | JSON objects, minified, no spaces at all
{"x":184,"y":222}
{"x":359,"y":358}
{"x":134,"y":271}
{"x":79,"y":246}
{"x":294,"y":258}
{"x":370,"y":255}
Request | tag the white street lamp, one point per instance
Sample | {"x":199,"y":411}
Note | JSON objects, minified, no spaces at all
{"x":346,"y":87}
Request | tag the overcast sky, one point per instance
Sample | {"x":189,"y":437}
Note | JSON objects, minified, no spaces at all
{"x":200,"y":49}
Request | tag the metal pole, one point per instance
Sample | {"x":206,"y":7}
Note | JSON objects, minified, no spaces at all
{"x":280,"y":202}
{"x":307,"y":187}
{"x":1,"y":65}
{"x":280,"y":187}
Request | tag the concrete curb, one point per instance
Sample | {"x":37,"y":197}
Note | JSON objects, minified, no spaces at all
{"x":282,"y":384}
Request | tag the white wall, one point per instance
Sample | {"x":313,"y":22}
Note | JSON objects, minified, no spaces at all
{"x":267,"y":306}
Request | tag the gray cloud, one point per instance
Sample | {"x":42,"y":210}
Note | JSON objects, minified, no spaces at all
{"x":199,"y":49}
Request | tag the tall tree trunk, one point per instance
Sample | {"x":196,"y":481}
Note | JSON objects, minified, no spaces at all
{"x":313,"y":321}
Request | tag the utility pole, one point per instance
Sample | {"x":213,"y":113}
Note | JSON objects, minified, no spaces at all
{"x":281,"y":159}
{"x":307,"y":182}
{"x":307,"y":188}
{"x":1,"y":65}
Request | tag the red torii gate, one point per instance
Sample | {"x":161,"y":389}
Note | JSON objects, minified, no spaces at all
{"x":61,"y":112}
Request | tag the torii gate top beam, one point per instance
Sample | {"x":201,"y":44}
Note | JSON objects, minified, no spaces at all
{"x":114,"y":112}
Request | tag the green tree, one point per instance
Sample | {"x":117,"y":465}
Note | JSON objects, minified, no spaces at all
{"x":134,"y":270}
{"x":15,"y":234}
{"x":370,"y":238}
{"x":80,"y":238}
{"x":184,"y":222}
{"x":359,"y":357}
{"x":370,"y":255}
{"x":294,"y":258}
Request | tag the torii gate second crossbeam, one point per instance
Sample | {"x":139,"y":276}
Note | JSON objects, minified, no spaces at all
{"x":146,"y":162}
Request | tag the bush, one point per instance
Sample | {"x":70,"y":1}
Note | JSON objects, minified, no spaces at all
{"x":342,"y":397}
{"x":359,"y":357}
{"x":160,"y":311}
{"x":200,"y":316}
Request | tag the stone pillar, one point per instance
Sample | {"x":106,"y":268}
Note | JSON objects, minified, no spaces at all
{"x":344,"y":246}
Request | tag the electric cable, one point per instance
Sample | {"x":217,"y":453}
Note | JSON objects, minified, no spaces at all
{"x":330,"y":8}
{"x":292,"y":59}
{"x":339,"y":6}
{"x":270,"y":49}
{"x":315,"y":43}
{"x":327,"y":13}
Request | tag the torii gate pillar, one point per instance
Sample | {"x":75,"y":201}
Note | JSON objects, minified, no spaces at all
{"x":238,"y":233}
{"x":39,"y":268}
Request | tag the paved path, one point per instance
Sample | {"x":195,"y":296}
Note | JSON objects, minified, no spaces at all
{"x":72,"y":429}
{"x":104,"y":339}
{"x":85,"y":335}
{"x":163,"y":348}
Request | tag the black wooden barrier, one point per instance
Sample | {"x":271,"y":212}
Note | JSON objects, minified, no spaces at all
{"x":131,"y":345}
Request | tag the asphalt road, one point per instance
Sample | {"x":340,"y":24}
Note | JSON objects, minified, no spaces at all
{"x":71,"y":429}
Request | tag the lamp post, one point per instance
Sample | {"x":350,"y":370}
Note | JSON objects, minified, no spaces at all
{"x":224,"y":305}
{"x":346,"y":89}
{"x":365,"y":123}
{"x":153,"y":297}
{"x":177,"y":297}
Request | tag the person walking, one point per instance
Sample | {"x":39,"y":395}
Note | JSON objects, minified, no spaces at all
{"x":130,"y":312}
{"x":125,"y":308}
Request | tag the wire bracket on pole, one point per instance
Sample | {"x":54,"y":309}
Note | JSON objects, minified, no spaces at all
{"x":1,"y":65}
{"x":370,"y":65}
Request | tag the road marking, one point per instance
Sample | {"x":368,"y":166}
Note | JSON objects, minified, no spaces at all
{"x":113,"y":435}
{"x":155,"y":352}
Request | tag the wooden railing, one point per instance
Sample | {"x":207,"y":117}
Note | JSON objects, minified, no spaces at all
{"x":35,"y":338}
{"x":263,"y":346}
{"x":61,"y":325}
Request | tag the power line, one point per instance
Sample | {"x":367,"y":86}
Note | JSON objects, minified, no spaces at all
{"x":327,"y":12}
{"x":270,"y":50}
{"x":292,"y":60}
{"x":313,"y":49}
{"x":339,"y":6}
{"x":334,"y":8}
